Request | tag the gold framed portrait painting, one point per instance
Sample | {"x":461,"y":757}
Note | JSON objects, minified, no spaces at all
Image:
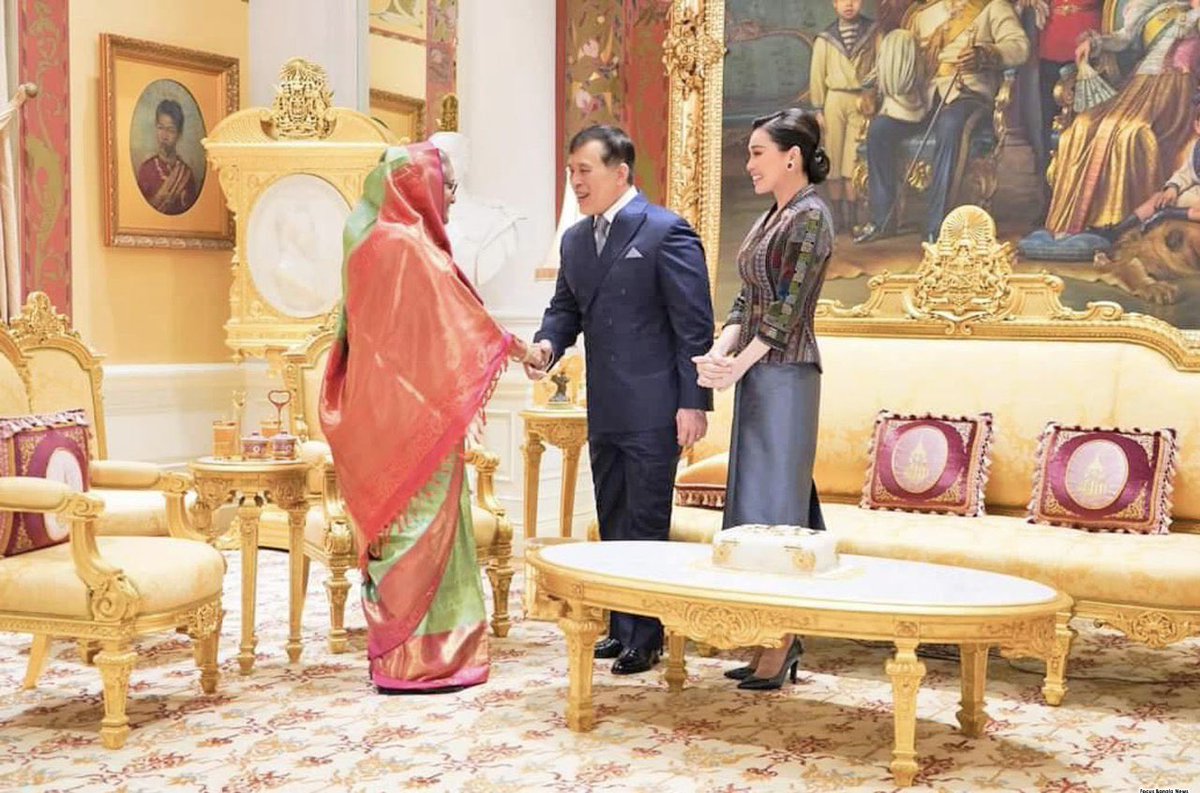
{"x":158,"y":104}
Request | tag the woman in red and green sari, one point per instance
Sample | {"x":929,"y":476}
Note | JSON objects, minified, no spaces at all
{"x":415,"y":361}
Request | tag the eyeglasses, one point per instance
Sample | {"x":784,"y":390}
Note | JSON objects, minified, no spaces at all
{"x":452,"y":186}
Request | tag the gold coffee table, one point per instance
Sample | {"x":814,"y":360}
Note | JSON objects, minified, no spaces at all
{"x":902,"y":602}
{"x":251,"y":483}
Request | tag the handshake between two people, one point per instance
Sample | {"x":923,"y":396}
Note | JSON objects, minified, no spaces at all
{"x":534,"y":357}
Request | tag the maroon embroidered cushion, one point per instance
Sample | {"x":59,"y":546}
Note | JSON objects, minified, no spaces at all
{"x":1104,"y":479}
{"x":928,"y":463}
{"x":52,"y":446}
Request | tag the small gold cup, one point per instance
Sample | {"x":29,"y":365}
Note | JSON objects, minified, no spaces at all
{"x":225,"y":439}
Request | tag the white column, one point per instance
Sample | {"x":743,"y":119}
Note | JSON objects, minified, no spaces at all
{"x":506,"y":86}
{"x":333,"y":35}
{"x":506,"y":91}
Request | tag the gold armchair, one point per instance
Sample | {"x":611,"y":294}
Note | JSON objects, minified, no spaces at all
{"x":63,"y":373}
{"x":328,"y":539}
{"x":107,"y":590}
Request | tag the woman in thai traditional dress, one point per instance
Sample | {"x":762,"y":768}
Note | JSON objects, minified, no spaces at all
{"x":1114,"y":155}
{"x":768,"y":348}
{"x":415,"y":360}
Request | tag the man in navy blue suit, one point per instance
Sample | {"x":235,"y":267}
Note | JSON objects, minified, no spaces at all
{"x":634,"y":282}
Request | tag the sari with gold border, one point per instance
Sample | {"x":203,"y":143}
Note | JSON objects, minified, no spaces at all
{"x":416,"y":358}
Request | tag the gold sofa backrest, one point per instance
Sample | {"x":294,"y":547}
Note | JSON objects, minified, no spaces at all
{"x":303,"y":371}
{"x":1023,"y":384}
{"x":64,"y":373}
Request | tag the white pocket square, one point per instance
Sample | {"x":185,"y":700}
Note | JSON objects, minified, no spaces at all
{"x":634,"y":253}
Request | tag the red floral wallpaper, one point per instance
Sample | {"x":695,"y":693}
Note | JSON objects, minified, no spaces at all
{"x":610,"y":59}
{"x":45,"y":142}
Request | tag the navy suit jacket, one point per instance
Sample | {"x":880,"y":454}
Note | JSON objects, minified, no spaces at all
{"x":644,"y":308}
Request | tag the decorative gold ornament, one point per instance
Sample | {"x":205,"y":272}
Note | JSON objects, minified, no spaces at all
{"x":303,"y":106}
{"x":448,"y":120}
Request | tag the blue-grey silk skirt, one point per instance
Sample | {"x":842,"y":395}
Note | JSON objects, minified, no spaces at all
{"x":774,"y":444}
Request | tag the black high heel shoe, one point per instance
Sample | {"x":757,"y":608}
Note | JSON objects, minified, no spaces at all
{"x":789,"y":667}
{"x":743,"y":672}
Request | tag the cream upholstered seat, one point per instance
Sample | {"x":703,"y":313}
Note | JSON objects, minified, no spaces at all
{"x":328,"y":538}
{"x":108,"y":590}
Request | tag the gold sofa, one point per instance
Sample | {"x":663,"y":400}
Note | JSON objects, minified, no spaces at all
{"x":328,"y":539}
{"x":994,"y":341}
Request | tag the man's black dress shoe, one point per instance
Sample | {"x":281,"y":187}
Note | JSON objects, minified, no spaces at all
{"x":631,"y":662}
{"x":608,"y":648}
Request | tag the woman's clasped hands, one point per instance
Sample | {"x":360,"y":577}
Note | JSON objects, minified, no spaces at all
{"x":715,"y":370}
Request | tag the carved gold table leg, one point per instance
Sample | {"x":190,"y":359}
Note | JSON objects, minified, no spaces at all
{"x":297,"y":577}
{"x":570,"y":475}
{"x":1054,"y":688}
{"x":676,"y":674}
{"x":581,"y":628}
{"x":115,"y":663}
{"x":39,"y":652}
{"x":971,"y":715}
{"x":533,"y":473}
{"x":249,"y":511}
{"x":906,"y":673}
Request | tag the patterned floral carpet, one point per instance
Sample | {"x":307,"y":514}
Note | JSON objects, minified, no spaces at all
{"x":1131,"y":720}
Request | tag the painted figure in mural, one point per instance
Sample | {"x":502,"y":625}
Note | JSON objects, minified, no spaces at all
{"x":1055,"y":28}
{"x":843,"y":64}
{"x":939,"y":69}
{"x":165,"y":179}
{"x":1113,"y":156}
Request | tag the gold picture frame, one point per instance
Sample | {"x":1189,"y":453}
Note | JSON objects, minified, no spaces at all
{"x":693,"y":53}
{"x":158,"y":100}
{"x":403,"y":115}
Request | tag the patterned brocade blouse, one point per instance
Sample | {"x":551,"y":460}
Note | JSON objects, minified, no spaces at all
{"x":782,"y":265}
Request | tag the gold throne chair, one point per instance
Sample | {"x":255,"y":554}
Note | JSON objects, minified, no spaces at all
{"x":328,"y":538}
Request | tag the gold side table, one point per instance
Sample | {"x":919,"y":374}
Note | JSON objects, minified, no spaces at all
{"x":567,"y":429}
{"x":251,"y":483}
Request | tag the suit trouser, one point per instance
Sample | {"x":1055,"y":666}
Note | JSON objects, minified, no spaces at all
{"x":634,"y":478}
{"x":884,"y":173}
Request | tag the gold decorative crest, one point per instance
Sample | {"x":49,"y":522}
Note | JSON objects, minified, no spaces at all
{"x":303,"y":105}
{"x":965,"y":274}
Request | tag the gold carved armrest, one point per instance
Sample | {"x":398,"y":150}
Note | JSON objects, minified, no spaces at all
{"x":174,"y":485}
{"x":112,"y":597}
{"x":485,"y":464}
